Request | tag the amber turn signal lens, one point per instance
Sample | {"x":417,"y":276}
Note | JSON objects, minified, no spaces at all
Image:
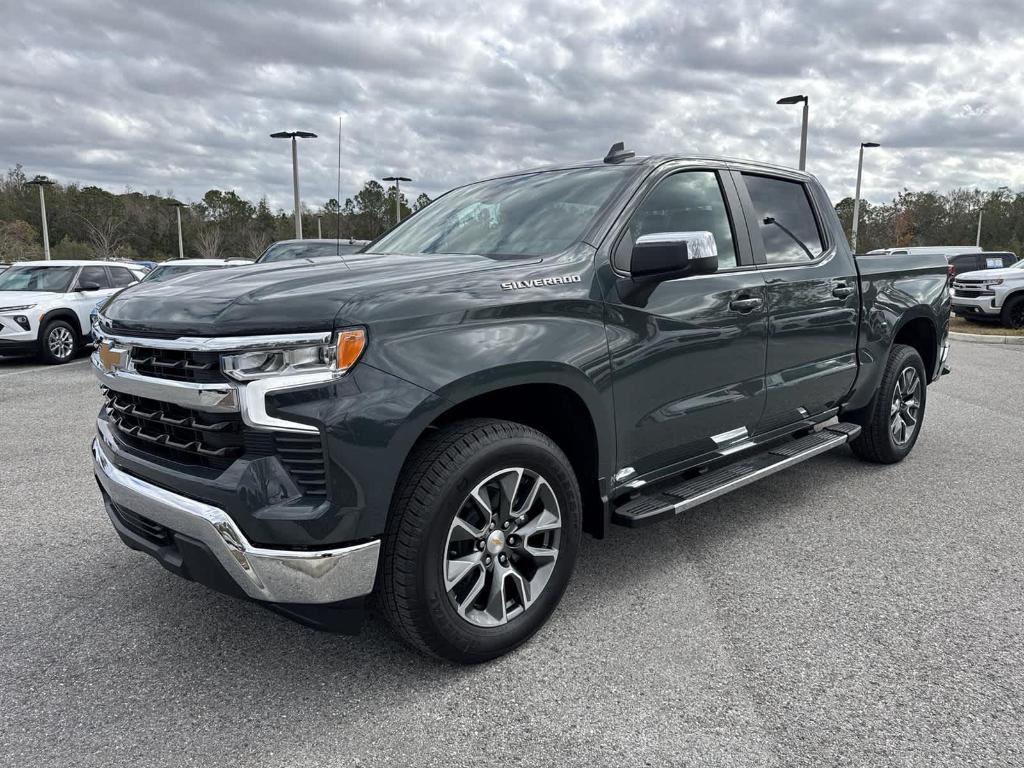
{"x":350,"y":346}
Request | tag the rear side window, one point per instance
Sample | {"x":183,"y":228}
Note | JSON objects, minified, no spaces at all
{"x":967,"y":263}
{"x":121,"y":277}
{"x":785,"y":218}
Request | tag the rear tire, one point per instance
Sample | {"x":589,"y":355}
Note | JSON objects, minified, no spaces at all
{"x":58,"y":343}
{"x":1012,"y":315}
{"x":891,"y":424}
{"x":452,"y":585}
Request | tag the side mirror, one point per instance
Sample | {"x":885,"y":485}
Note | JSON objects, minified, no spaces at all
{"x":88,"y":285}
{"x":668,"y":255}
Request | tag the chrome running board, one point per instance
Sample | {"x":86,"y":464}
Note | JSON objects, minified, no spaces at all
{"x":670,"y":500}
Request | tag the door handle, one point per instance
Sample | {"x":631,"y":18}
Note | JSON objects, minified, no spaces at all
{"x":842,"y":290}
{"x":746,"y":304}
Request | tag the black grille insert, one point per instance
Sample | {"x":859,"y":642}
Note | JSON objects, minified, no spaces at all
{"x":143,"y":526}
{"x":303,"y":457}
{"x":214,"y":440}
{"x":176,"y":433}
{"x":178,"y":364}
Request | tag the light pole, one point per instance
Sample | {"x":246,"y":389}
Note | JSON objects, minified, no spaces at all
{"x":41,"y":182}
{"x":319,"y":231}
{"x":398,"y":195}
{"x":803,"y":128}
{"x":293,"y":135}
{"x":856,"y":198}
{"x":181,"y":243}
{"x":977,"y":240}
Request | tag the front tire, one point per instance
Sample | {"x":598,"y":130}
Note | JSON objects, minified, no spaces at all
{"x":891,"y":424}
{"x":58,"y":343}
{"x":481,"y":540}
{"x":1012,"y":315}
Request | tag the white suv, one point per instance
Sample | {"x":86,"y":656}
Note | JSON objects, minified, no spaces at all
{"x":991,"y":294}
{"x":44,"y":305}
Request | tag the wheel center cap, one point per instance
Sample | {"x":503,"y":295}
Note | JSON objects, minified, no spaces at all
{"x":495,"y":542}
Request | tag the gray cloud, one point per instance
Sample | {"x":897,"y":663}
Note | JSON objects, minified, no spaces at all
{"x":182,"y":96}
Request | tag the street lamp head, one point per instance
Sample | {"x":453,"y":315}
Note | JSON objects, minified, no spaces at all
{"x":41,"y":181}
{"x":293,"y":135}
{"x":870,"y":144}
{"x":792,"y":99}
{"x":396,"y":178}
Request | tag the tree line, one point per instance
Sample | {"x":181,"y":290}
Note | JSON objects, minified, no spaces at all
{"x":87,"y":222}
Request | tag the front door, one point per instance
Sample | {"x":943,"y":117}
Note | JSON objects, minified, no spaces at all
{"x":687,"y":355}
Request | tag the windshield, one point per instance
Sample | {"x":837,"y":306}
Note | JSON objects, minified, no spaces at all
{"x":37,"y":278}
{"x":167,"y":271}
{"x":289,"y":251}
{"x":538,"y":214}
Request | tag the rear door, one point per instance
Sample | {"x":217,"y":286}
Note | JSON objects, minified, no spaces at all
{"x":687,"y":355}
{"x":812,"y":291}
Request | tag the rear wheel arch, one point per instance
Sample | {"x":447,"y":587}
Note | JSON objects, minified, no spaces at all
{"x":920,"y":333}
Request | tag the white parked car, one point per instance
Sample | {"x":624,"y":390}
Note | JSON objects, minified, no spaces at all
{"x":991,"y":294}
{"x":45,"y":305}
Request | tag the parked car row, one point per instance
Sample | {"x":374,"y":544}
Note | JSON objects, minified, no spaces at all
{"x":48,"y":308}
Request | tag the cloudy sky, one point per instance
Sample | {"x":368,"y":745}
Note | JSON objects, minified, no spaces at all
{"x":181,"y":96}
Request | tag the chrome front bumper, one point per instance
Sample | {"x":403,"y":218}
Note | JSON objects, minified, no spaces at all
{"x":271,"y":575}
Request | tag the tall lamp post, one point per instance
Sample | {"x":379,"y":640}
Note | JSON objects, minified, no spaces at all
{"x":803,"y":128}
{"x":181,"y":243}
{"x":293,"y":135}
{"x":398,"y":195}
{"x":42,"y":182}
{"x":856,"y":197}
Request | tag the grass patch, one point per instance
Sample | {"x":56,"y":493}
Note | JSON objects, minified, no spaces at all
{"x":959,"y":325}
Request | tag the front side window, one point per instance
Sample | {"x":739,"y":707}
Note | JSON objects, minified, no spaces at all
{"x":689,"y":201}
{"x":536,"y":214}
{"x":95,"y":275}
{"x":785,"y":218}
{"x":41,"y":278}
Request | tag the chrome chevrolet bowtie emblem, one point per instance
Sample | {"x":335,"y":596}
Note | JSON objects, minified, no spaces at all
{"x":111,"y":359}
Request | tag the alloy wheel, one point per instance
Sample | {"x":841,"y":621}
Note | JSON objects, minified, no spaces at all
{"x":502,"y":547}
{"x":60,"y":342}
{"x":906,"y":406}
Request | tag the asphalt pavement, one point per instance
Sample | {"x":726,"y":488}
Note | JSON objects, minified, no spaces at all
{"x":835,"y":614}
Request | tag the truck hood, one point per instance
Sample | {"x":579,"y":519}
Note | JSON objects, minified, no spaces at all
{"x":290,"y":297}
{"x":21,"y":298}
{"x":992,"y":274}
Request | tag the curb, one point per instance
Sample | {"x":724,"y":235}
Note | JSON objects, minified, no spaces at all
{"x":978,"y":338}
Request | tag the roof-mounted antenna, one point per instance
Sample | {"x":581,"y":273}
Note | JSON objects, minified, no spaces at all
{"x":618,"y":153}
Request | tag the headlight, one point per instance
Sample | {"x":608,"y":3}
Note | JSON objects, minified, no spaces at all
{"x":17,"y":308}
{"x":337,"y":356}
{"x":991,"y":283}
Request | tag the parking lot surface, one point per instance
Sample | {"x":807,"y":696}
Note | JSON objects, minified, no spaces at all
{"x":835,"y":614}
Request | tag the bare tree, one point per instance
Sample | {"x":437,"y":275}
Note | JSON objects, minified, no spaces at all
{"x":106,"y":234}
{"x":256,"y":242}
{"x":208,"y":241}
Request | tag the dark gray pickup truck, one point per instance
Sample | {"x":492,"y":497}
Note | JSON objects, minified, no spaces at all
{"x":438,"y":419}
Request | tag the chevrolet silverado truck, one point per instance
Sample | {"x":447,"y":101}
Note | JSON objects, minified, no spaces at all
{"x":991,"y":294}
{"x":437,"y":419}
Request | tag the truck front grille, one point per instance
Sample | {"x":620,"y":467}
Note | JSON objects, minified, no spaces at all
{"x":176,"y":433}
{"x":178,"y":364}
{"x":965,"y":294}
{"x":214,"y":440}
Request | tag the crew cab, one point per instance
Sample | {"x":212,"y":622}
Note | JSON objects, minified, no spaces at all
{"x":528,"y":358}
{"x":991,"y":294}
{"x":45,"y":305}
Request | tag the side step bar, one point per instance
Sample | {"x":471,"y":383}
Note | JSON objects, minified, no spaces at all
{"x":668,"y":501}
